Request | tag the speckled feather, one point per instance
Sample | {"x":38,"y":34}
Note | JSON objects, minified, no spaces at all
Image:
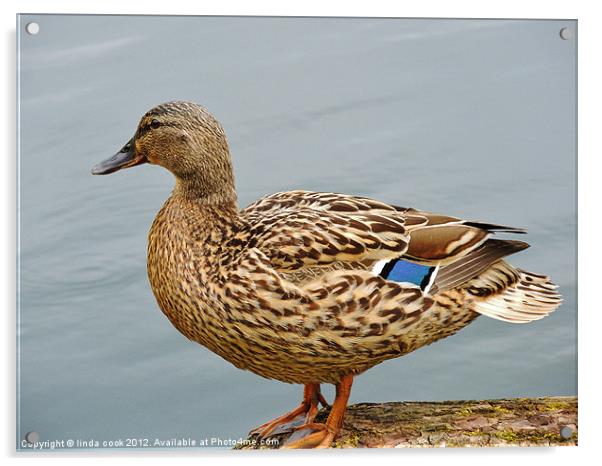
{"x":285,"y":287}
{"x":220,"y":289}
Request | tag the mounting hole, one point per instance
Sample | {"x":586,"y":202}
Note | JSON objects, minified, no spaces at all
{"x":32,"y":437}
{"x":566,"y":432}
{"x":32,"y":28}
{"x":566,"y":33}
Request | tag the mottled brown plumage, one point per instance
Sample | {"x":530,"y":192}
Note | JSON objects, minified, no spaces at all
{"x":286,"y":287}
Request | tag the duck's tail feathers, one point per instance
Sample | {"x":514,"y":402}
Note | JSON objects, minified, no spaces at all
{"x":474,"y":263}
{"x":513,"y":295}
{"x":492,"y":227}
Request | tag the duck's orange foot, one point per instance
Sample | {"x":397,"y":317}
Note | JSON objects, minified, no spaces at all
{"x":313,"y":435}
{"x":310,"y":435}
{"x":305,"y":413}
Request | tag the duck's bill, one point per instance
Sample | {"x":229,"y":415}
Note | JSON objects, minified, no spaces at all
{"x":125,"y":158}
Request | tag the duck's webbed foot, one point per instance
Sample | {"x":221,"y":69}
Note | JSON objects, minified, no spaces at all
{"x":303,"y":414}
{"x":314,"y":435}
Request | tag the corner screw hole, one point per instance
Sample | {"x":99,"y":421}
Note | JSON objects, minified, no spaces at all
{"x":32,"y":28}
{"x":566,"y":432}
{"x":566,"y":33}
{"x":32,"y":437}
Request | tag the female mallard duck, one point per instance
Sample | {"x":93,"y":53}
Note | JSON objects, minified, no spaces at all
{"x":308,"y":287}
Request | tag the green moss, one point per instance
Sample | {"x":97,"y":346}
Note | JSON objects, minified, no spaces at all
{"x":508,"y":436}
{"x":351,"y":441}
{"x":556,"y":405}
{"x":533,"y":437}
{"x":437,"y":427}
{"x":500,"y":410}
{"x":472,"y":433}
{"x":465,"y":412}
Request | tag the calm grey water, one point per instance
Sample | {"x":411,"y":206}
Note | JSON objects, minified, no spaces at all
{"x":472,"y":118}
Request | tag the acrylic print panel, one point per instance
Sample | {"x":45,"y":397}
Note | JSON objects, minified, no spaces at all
{"x":473,"y":119}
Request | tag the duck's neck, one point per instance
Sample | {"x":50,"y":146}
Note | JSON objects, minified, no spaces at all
{"x":207,"y":191}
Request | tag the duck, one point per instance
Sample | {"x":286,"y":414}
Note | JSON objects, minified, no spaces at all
{"x":312,"y":288}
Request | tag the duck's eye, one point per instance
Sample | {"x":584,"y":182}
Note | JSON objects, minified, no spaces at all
{"x":155,"y":124}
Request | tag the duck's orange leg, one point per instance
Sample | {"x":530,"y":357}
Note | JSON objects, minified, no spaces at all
{"x":304,"y":413}
{"x":324,"y":434}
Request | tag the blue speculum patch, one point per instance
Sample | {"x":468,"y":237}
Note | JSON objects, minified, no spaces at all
{"x":403,"y":271}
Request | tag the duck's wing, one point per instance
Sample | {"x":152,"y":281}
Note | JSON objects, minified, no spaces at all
{"x":301,"y":229}
{"x":442,"y":240}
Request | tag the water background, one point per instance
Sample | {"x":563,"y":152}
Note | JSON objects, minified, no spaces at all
{"x":474,"y":118}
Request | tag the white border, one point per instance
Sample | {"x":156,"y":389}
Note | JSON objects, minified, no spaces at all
{"x":590,"y":323}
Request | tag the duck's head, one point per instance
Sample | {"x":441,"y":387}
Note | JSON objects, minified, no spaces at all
{"x":184,"y":138}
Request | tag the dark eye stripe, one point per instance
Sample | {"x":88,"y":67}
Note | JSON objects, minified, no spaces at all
{"x":152,"y":125}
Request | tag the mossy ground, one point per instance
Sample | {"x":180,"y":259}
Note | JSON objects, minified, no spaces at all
{"x":507,"y":422}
